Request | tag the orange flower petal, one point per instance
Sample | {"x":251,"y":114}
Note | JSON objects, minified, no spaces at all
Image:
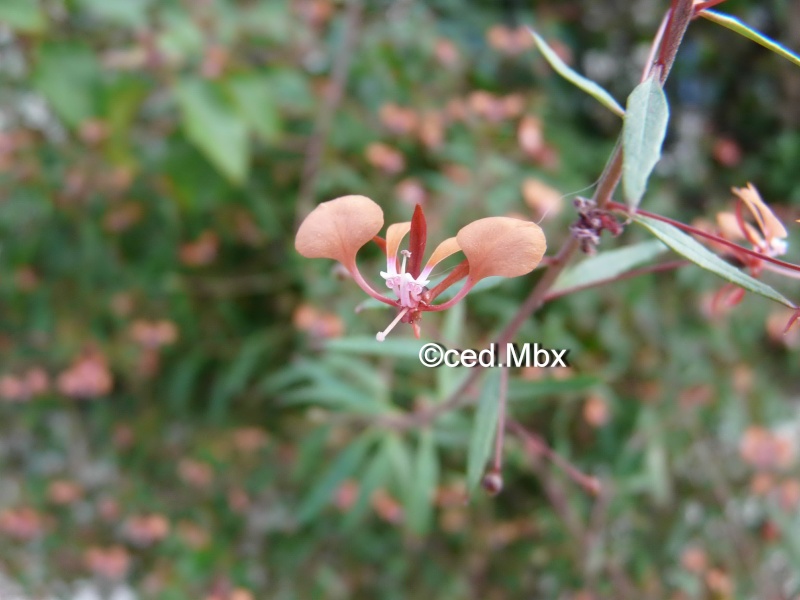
{"x":446,"y":248}
{"x":394,"y":236}
{"x":767,"y":221}
{"x":730,"y":230}
{"x":501,"y":246}
{"x":338,"y":228}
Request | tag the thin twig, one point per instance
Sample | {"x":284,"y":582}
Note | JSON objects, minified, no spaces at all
{"x":681,"y":14}
{"x":656,"y":45}
{"x":537,"y":444}
{"x":609,"y":179}
{"x":553,"y":488}
{"x":710,"y":236}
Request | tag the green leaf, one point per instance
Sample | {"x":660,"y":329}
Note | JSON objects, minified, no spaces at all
{"x":522,"y":390}
{"x":689,"y":248}
{"x":23,"y":15}
{"x":656,"y":463}
{"x":396,"y":347}
{"x":642,"y":136}
{"x":736,"y":25}
{"x":129,"y":13}
{"x":238,"y":373}
{"x":358,"y":372}
{"x":67,"y":74}
{"x":253,"y":98}
{"x":121,"y":104}
{"x":345,"y":465}
{"x":287,"y":377}
{"x":215,"y":127}
{"x":607,"y":265}
{"x":184,"y":377}
{"x":452,"y":328}
{"x":484,"y":428}
{"x":336,"y":395}
{"x":375,"y":476}
{"x":453,"y":325}
{"x":400,"y":459}
{"x":575,"y":78}
{"x":419,"y":502}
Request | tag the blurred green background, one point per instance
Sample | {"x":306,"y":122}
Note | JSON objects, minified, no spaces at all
{"x":191,"y":409}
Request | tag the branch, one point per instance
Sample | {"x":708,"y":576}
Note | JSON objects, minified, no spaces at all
{"x":538,"y":446}
{"x":710,"y":236}
{"x":609,"y":179}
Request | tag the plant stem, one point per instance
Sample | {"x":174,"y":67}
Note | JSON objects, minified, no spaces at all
{"x":681,"y":13}
{"x":537,"y":445}
{"x":710,"y":236}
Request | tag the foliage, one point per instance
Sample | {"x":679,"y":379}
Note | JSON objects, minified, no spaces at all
{"x":189,"y":406}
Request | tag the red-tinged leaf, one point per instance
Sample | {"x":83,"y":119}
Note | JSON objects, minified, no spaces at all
{"x":417,"y":241}
{"x":701,"y":6}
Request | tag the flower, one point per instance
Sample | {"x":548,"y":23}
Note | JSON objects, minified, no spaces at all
{"x":494,"y":246}
{"x":767,"y":239}
{"x":770,"y":240}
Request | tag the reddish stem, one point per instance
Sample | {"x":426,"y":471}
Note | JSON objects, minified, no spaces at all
{"x":537,"y":445}
{"x":680,"y":14}
{"x":710,"y":236}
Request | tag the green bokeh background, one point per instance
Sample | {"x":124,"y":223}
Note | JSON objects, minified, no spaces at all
{"x":154,"y":165}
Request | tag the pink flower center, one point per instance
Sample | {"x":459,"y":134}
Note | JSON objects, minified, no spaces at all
{"x":407,"y":289}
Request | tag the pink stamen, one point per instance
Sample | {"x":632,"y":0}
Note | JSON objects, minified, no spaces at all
{"x":381,"y":335}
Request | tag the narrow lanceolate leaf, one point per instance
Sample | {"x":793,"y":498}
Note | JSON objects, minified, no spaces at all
{"x":419,"y":503}
{"x":607,"y":265}
{"x":343,"y":467}
{"x":689,"y":248}
{"x":484,"y":428}
{"x":736,"y":25}
{"x":642,"y":136}
{"x":375,"y":476}
{"x":575,"y":78}
{"x":397,"y":347}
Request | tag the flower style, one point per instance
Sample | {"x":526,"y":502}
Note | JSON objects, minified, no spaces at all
{"x":494,"y":246}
